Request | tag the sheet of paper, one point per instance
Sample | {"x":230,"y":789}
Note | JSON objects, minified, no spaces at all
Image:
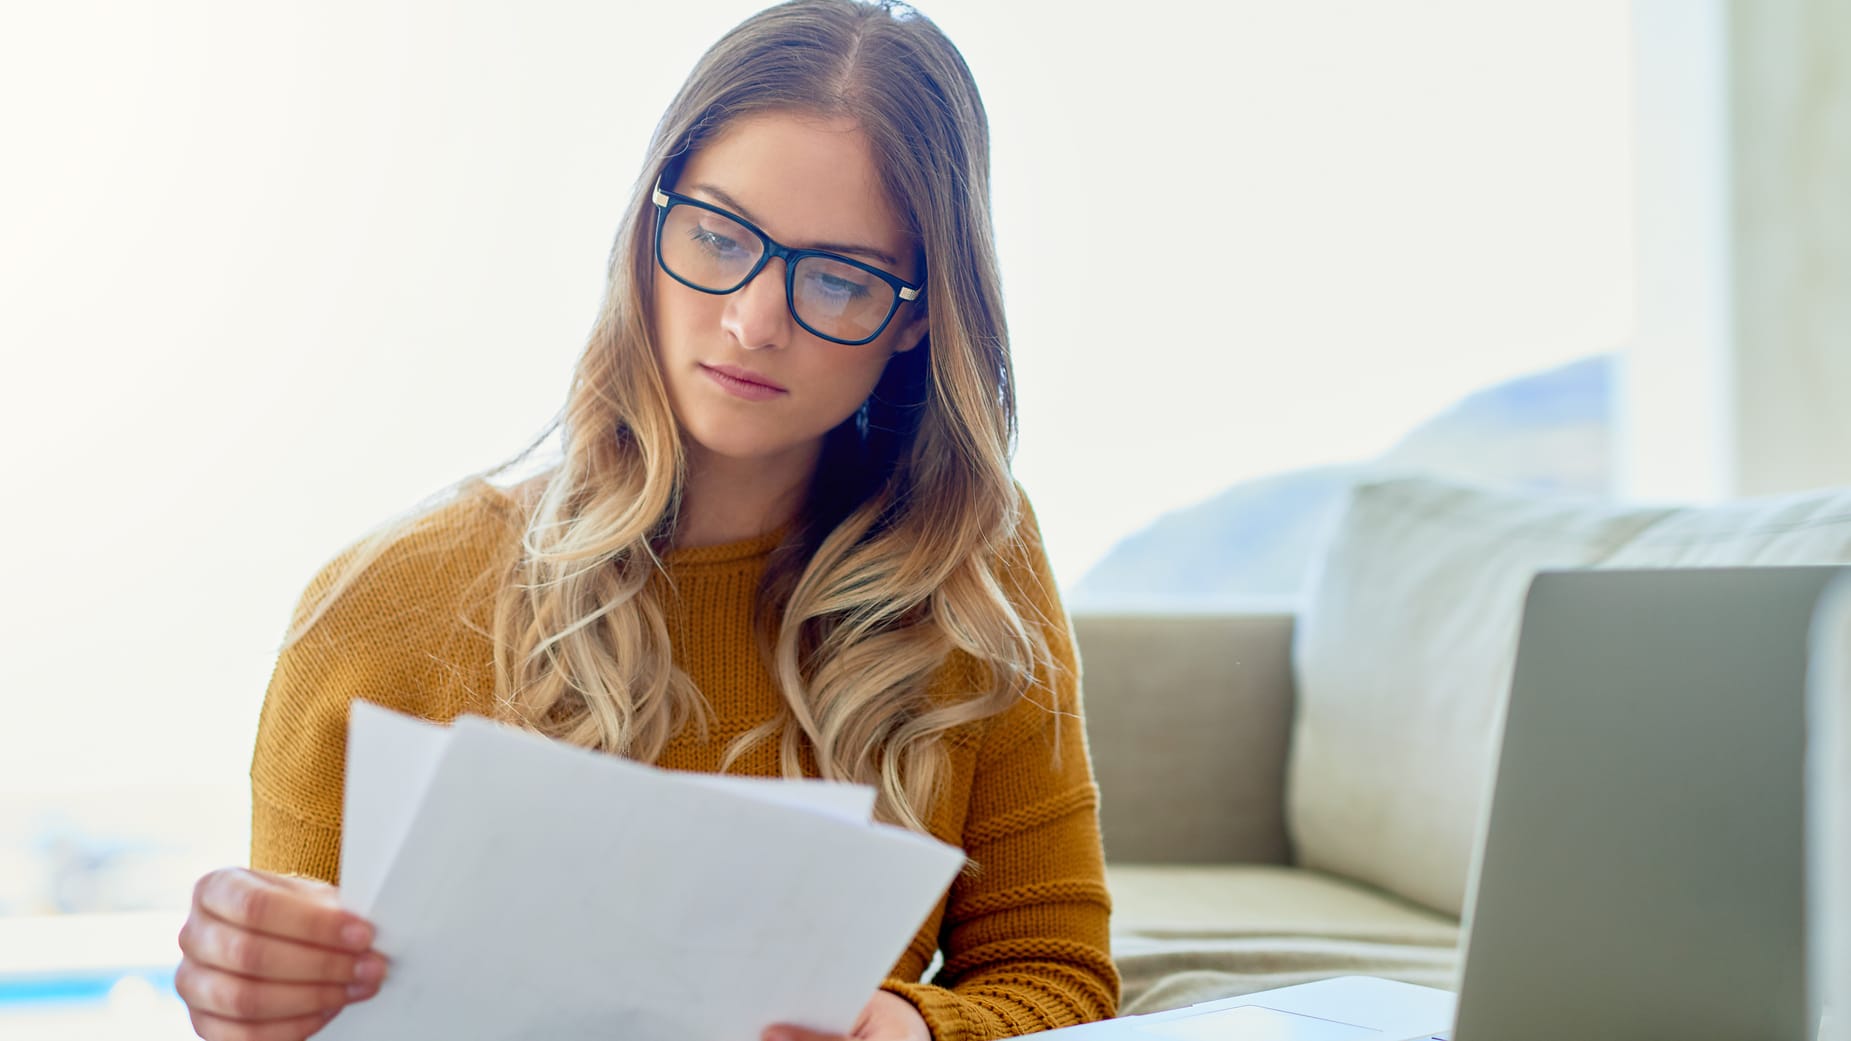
{"x":391,"y":757}
{"x":540,"y":891}
{"x":390,"y":760}
{"x":853,"y":802}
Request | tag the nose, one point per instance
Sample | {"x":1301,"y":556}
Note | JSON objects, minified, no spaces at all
{"x":756,"y":314}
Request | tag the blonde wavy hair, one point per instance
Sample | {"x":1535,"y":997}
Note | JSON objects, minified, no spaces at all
{"x":895,"y":560}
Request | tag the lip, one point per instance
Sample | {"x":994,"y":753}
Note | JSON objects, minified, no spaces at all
{"x":743,"y":382}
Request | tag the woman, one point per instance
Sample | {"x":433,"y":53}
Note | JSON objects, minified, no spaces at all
{"x":783,"y":540}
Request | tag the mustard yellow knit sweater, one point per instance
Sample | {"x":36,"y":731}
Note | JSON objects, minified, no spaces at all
{"x":1024,"y":937}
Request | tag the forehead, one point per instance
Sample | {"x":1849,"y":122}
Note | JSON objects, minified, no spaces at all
{"x":803,"y":178}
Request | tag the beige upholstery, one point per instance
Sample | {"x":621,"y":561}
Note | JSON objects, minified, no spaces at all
{"x":1188,"y":933}
{"x":1188,"y":718}
{"x":1188,"y":721}
{"x":1196,"y":901}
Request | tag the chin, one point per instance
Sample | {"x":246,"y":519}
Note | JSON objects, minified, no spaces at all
{"x":735,"y":443}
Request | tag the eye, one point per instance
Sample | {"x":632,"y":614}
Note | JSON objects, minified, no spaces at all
{"x":838,"y":286}
{"x":715,"y":242}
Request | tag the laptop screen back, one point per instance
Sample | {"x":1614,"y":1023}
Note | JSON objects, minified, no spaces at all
{"x":1641,"y":874}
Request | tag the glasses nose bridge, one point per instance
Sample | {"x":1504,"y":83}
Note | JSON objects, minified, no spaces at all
{"x":773,"y":251}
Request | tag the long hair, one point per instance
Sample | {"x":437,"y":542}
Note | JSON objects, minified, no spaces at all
{"x":894,"y":561}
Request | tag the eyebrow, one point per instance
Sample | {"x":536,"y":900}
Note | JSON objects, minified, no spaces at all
{"x":733,"y":204}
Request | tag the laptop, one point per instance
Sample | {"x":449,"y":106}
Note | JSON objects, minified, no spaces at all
{"x":1828,"y":815}
{"x":1640,"y":870}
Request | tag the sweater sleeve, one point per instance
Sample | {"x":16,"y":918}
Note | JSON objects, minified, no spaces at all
{"x":1025,"y":934}
{"x":395,"y":637}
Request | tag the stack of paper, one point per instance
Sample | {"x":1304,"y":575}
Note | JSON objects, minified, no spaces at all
{"x":525,"y":889}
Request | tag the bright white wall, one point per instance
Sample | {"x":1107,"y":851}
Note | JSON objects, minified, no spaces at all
{"x":269,"y":273}
{"x":1371,"y":210}
{"x":1673,"y":439}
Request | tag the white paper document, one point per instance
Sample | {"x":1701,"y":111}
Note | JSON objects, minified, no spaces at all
{"x":525,"y":889}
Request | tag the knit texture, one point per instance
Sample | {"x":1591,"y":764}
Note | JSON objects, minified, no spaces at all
{"x":1023,"y":930}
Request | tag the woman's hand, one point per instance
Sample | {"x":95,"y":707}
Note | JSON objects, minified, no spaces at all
{"x":271,"y":958}
{"x":888,"y":1017}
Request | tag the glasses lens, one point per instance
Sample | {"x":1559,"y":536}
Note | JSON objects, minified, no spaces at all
{"x":706,"y":249}
{"x":840,"y":300}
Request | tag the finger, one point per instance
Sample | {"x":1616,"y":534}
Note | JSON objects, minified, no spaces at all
{"x":302,"y":882}
{"x":228,"y":996}
{"x":215,"y":1028}
{"x":787,"y":1032}
{"x":212,"y":941}
{"x":291,"y":911}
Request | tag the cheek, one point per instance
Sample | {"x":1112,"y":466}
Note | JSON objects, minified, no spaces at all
{"x":665,"y":308}
{"x":870,"y":366}
{"x":863,"y":377}
{"x":661,"y":314}
{"x":835,"y":385}
{"x":681,"y":315}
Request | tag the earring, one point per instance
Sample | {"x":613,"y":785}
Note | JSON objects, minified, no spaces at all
{"x":861,"y":419}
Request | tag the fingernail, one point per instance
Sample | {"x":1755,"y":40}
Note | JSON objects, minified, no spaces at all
{"x":369,"y":970}
{"x":356,"y":936}
{"x":359,"y":992}
{"x":775,"y":1034}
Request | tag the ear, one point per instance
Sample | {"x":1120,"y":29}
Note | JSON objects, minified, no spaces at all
{"x":913,"y":331}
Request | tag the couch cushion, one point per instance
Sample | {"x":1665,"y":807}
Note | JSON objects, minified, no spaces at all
{"x":1403,"y":653}
{"x":1187,"y":720}
{"x":1188,"y":933}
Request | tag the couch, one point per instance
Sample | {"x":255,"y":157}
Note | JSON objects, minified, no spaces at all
{"x":1289,"y":794}
{"x":1189,"y":722}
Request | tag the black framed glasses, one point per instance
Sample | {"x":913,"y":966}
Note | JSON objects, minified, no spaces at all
{"x":838,"y":298}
